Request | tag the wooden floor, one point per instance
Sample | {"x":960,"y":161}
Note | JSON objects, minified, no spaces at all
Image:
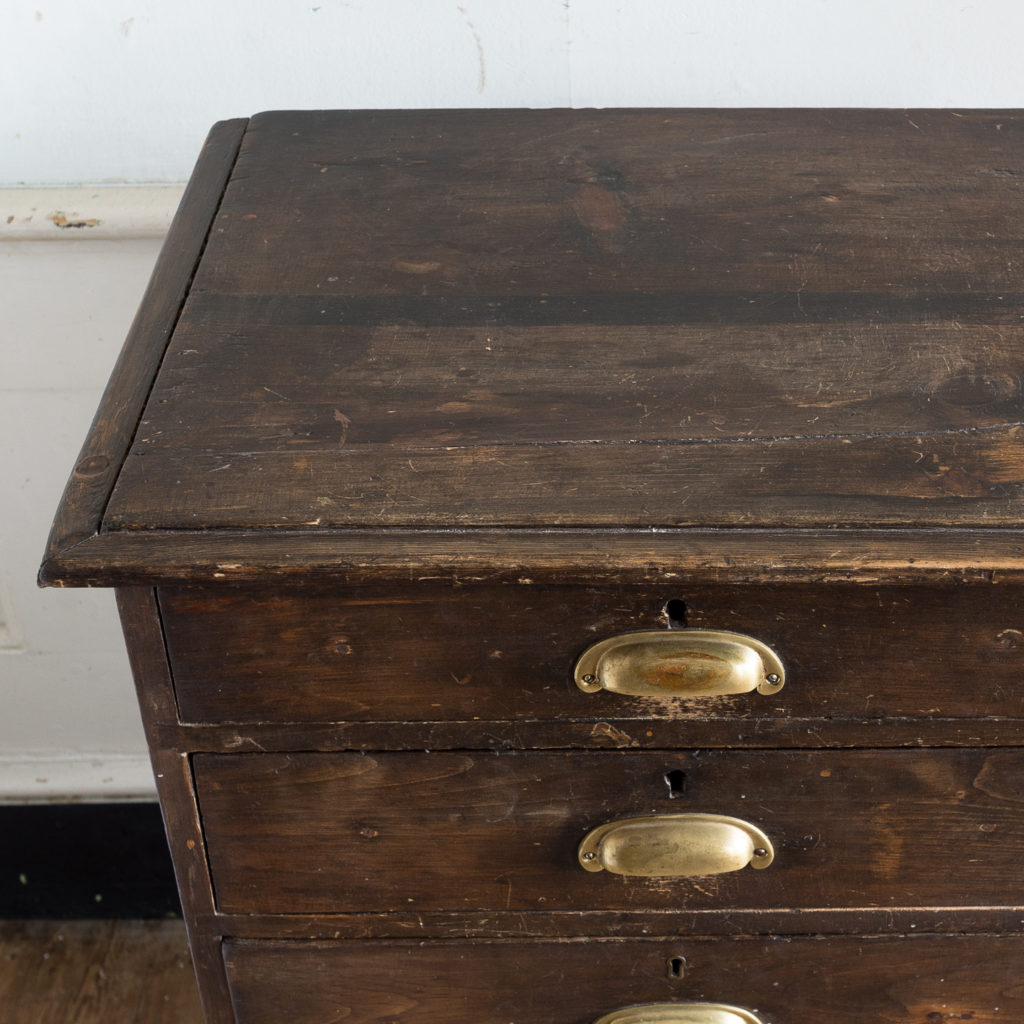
{"x":96,"y":972}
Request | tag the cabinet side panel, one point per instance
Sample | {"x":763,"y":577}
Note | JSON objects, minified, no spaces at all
{"x":144,"y":636}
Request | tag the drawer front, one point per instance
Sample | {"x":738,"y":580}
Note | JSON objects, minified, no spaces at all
{"x":334,"y":833}
{"x":835,"y":980}
{"x":855,"y":656}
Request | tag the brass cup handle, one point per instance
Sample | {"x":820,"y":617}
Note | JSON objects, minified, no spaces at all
{"x":680,"y":1013}
{"x":679,"y":845}
{"x":679,"y":663}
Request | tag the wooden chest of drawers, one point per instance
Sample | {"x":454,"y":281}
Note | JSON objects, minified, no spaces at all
{"x":420,"y":407}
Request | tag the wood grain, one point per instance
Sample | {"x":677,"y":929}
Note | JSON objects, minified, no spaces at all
{"x":419,"y":404}
{"x":580,"y":320}
{"x":483,"y":653}
{"x":610,"y":556}
{"x":598,"y":319}
{"x":571,"y":202}
{"x":601,"y":925}
{"x":335,"y":833}
{"x":903,"y":980}
{"x":99,"y":462}
{"x":96,"y":972}
{"x":459,"y":386}
{"x":962,"y":479}
{"x":611,"y":733}
{"x":140,"y":620}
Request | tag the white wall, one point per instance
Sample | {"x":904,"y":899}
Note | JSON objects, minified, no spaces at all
{"x":68,"y":721}
{"x":95,"y":92}
{"x":123,"y":90}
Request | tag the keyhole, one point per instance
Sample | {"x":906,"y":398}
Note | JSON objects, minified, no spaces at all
{"x":675,"y":613}
{"x":675,"y":779}
{"x":677,"y":966}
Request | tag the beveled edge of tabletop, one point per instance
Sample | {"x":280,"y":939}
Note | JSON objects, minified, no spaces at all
{"x":92,"y":480}
{"x":570,"y":556}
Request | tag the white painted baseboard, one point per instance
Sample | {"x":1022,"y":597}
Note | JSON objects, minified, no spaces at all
{"x":98,"y":211}
{"x":69,"y":721}
{"x":27,"y":778}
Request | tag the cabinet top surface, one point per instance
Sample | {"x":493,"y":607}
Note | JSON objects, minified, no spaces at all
{"x":805,"y":322}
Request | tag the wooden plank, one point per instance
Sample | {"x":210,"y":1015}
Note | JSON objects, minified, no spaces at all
{"x":141,"y":623}
{"x":306,"y":388}
{"x":464,"y":831}
{"x":613,"y":732}
{"x":96,"y":972}
{"x":900,"y":980}
{"x":722,"y":310}
{"x":675,"y":557}
{"x":113,"y":428}
{"x":572,"y":202}
{"x":968,"y":477}
{"x":498,"y":653}
{"x":641,"y":924}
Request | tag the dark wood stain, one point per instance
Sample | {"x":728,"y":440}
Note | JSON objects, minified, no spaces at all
{"x":940,"y":557}
{"x":545,"y":384}
{"x":141,"y":623}
{"x":597,"y":320}
{"x":420,"y":404}
{"x":93,"y":478}
{"x":505,"y":653}
{"x":842,"y":980}
{"x":337,"y":833}
{"x":601,"y":925}
{"x":959,"y":480}
{"x":522,"y":202}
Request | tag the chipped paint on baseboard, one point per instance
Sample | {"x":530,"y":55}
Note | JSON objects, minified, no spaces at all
{"x":60,"y":220}
{"x":100,"y":212}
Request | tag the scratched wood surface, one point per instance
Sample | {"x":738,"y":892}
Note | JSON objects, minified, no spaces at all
{"x":491,"y":653}
{"x":598,"y":319}
{"x":769,"y":358}
{"x":569,"y":203}
{"x":363,"y":832}
{"x":903,"y":980}
{"x":588,"y":557}
{"x":96,"y":972}
{"x":99,"y":462}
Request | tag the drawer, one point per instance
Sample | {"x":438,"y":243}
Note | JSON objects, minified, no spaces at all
{"x":855,"y":656}
{"x":834,"y":980}
{"x":349,"y":832}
